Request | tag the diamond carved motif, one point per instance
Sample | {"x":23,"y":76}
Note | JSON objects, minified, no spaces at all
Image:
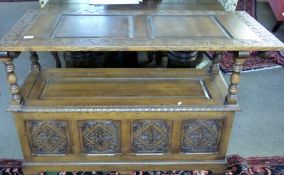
{"x":201,"y":135}
{"x":150,"y":136}
{"x":100,"y":137}
{"x":48,"y":137}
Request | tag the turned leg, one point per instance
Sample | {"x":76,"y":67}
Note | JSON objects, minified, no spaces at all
{"x":7,"y":58}
{"x":239,"y":59}
{"x":57,"y":59}
{"x":35,"y":66}
{"x":214,"y":67}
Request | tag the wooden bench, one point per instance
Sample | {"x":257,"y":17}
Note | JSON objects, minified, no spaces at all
{"x":128,"y":119}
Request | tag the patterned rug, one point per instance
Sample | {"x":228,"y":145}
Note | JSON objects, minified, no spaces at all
{"x":135,"y":173}
{"x":253,"y":63}
{"x":18,"y":171}
{"x":11,"y":167}
{"x":236,"y":166}
{"x":14,"y":167}
{"x":255,"y":165}
{"x":247,"y":5}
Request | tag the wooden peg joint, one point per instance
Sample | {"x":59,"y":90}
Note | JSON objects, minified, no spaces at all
{"x":35,"y":66}
{"x":214,"y":67}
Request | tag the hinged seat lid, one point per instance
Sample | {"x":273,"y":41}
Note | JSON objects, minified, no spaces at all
{"x":123,"y":87}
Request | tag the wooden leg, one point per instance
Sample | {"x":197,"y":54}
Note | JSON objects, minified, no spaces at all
{"x":214,"y":67}
{"x":57,"y":59}
{"x":239,"y":59}
{"x":7,"y":58}
{"x":277,"y":26}
{"x":35,"y":66}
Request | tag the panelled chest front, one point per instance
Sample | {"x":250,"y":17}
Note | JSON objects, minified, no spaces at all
{"x":124,"y":115}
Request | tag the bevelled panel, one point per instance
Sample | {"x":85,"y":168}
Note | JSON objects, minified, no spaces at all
{"x":201,"y":136}
{"x":93,"y":26}
{"x":48,"y":137}
{"x":188,"y":26}
{"x":151,"y":136}
{"x":100,"y":136}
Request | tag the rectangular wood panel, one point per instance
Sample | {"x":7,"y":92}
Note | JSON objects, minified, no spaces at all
{"x":87,"y":26}
{"x":186,"y":26}
{"x":124,"y":88}
{"x":100,"y":87}
{"x":96,"y":26}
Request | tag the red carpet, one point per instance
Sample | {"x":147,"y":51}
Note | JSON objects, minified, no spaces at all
{"x":236,"y":166}
{"x":255,"y":165}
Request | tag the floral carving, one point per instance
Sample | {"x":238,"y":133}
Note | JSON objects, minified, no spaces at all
{"x":201,"y":135}
{"x":100,"y":137}
{"x":151,"y":136}
{"x":48,"y":137}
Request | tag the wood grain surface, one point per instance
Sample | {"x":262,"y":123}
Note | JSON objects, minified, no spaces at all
{"x":123,"y":87}
{"x":138,"y":30}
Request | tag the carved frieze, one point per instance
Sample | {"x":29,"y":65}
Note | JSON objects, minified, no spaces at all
{"x":142,"y":108}
{"x":201,"y":136}
{"x":48,"y":137}
{"x":100,"y":136}
{"x":150,"y":136}
{"x":21,"y":27}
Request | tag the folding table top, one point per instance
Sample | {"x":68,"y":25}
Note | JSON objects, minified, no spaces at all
{"x":95,"y":29}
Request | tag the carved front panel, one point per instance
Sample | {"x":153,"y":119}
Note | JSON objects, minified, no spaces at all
{"x":48,"y":137}
{"x":150,"y":136}
{"x":201,"y":135}
{"x":100,"y":137}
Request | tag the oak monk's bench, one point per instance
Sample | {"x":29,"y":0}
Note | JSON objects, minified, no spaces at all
{"x":128,"y":119}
